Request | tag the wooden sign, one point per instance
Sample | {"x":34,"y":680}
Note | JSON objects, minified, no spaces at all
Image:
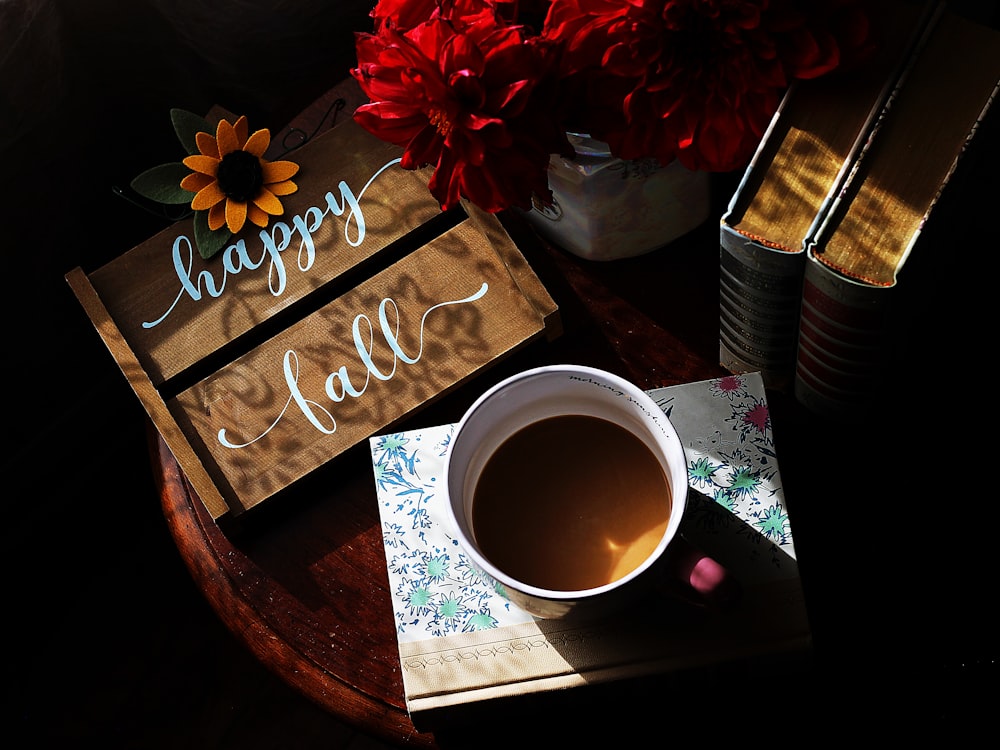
{"x":357,"y":306}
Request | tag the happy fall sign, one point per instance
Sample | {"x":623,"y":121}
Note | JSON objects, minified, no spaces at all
{"x":361,"y":303}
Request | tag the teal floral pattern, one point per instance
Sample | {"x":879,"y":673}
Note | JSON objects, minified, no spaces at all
{"x":736,"y":508}
{"x":736,"y":505}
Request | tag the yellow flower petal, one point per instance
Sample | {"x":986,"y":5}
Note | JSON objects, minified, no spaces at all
{"x":258,"y":143}
{"x":207,"y":144}
{"x":236,"y":215}
{"x":204,"y":164}
{"x":277,"y":171}
{"x":227,"y":138}
{"x":257,"y":216}
{"x":207,"y":197}
{"x":268,"y":201}
{"x":242,"y":127}
{"x":217,"y":216}
{"x":283,"y":188}
{"x":196,"y":181}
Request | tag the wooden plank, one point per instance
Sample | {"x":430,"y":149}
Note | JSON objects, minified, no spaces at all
{"x":518,"y":268}
{"x":155,"y":406}
{"x":358,"y":306}
{"x":384,"y":349}
{"x":174,"y":308}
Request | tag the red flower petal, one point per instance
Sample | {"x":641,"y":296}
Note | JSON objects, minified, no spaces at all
{"x":703,"y":77}
{"x":457,"y":94}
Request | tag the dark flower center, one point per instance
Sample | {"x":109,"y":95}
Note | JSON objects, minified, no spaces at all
{"x":240,"y":175}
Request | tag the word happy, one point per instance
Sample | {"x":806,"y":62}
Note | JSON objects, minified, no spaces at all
{"x":273,"y":243}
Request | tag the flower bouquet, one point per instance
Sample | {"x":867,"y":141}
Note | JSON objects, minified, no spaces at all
{"x":486,"y":91}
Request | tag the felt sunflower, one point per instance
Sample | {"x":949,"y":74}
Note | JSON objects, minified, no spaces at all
{"x":233,"y":180}
{"x":225,"y":179}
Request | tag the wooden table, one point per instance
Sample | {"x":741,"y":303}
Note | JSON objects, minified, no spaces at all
{"x":303,"y":583}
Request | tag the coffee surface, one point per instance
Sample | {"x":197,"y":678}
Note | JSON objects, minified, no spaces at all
{"x":570,"y":502}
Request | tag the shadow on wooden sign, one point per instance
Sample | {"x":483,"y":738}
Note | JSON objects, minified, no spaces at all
{"x":362,"y":303}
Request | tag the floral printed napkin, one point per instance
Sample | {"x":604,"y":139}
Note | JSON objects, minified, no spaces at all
{"x":736,"y":509}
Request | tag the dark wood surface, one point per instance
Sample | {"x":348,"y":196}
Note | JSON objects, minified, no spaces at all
{"x":903,"y":630}
{"x":112,"y":643}
{"x":302,"y":581}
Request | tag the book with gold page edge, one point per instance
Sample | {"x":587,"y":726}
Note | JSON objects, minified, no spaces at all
{"x":872,"y":261}
{"x":461,"y":642}
{"x":793,"y":178}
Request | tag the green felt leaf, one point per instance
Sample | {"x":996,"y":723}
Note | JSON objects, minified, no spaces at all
{"x":163,"y":184}
{"x":186,"y":125}
{"x":209,"y":243}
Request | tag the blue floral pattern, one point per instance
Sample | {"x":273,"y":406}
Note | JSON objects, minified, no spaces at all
{"x":736,"y":508}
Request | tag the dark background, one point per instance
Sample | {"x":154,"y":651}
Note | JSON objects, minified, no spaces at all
{"x":113,"y":644}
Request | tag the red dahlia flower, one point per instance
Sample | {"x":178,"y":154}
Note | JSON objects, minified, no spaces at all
{"x":403,"y":14}
{"x":460,"y":85}
{"x":460,"y":90}
{"x":695,"y":80}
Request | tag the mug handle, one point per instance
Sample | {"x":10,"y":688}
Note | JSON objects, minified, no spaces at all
{"x":695,"y":577}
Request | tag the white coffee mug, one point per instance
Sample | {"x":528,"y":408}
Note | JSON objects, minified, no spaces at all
{"x":566,"y":485}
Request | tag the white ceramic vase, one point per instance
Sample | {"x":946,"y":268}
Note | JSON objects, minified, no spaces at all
{"x":606,"y":208}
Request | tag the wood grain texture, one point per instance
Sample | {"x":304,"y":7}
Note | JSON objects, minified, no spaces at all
{"x":382,"y":350}
{"x":147,"y":392}
{"x":318,"y":239}
{"x":360,"y":305}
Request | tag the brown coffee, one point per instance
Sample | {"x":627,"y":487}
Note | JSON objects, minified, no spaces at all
{"x":570,"y":503}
